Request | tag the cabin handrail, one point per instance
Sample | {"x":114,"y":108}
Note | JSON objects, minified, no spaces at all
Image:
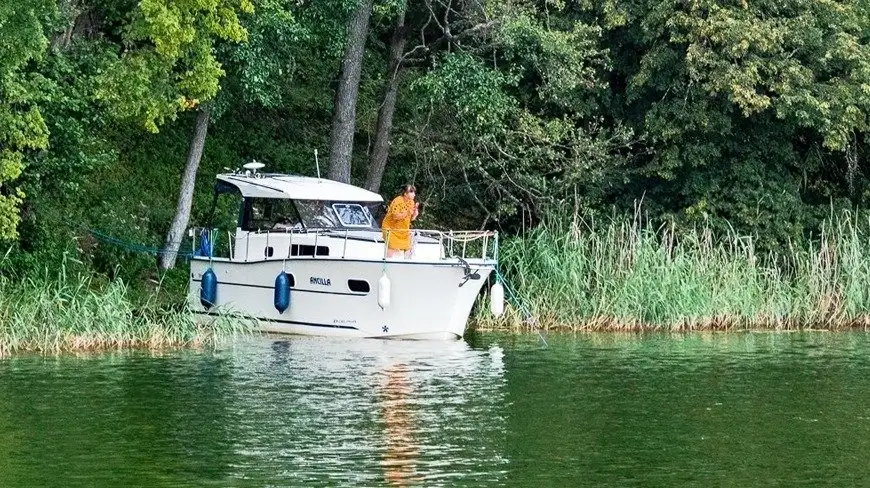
{"x":488,"y":248}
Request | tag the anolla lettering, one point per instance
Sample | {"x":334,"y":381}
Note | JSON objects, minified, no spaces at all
{"x":320,"y":281}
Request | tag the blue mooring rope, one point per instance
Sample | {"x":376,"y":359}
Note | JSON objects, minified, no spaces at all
{"x":129,"y":246}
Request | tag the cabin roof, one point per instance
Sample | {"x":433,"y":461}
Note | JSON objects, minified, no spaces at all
{"x":265,"y":185}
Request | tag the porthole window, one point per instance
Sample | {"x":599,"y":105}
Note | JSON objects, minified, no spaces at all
{"x":358,"y":286}
{"x":308,"y":250}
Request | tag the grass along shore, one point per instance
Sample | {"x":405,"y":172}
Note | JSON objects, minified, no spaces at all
{"x":620,"y":276}
{"x":51,"y":314}
{"x":624,"y":276}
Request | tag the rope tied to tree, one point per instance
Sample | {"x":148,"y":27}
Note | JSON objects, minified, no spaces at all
{"x":134,"y":247}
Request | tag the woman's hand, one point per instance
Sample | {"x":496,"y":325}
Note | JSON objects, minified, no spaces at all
{"x":416,"y":211}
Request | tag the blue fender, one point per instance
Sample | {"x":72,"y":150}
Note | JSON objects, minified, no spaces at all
{"x":208,"y":289}
{"x":282,"y":292}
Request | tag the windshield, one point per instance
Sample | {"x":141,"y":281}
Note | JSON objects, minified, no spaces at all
{"x":353,"y":215}
{"x":321,"y":214}
{"x":273,"y":214}
{"x":270,"y":214}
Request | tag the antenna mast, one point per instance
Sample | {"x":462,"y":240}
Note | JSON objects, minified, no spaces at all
{"x":317,"y":162}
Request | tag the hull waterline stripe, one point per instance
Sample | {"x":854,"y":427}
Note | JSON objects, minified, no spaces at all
{"x":267,"y":287}
{"x":292,"y":322}
{"x":378,"y":262}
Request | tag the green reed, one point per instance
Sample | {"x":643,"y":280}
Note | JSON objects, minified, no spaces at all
{"x":53,"y":313}
{"x":628,"y":275}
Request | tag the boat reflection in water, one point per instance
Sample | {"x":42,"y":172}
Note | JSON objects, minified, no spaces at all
{"x":433,"y":397}
{"x":371,"y":412}
{"x":403,"y":448}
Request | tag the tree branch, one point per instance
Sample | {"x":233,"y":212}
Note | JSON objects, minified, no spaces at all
{"x":414,"y":55}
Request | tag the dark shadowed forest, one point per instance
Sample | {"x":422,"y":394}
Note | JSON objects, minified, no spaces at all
{"x":740,"y":119}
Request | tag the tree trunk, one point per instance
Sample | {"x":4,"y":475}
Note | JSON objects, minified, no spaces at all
{"x":185,"y":197}
{"x":61,"y":39}
{"x":385,"y":115}
{"x":344,"y":116}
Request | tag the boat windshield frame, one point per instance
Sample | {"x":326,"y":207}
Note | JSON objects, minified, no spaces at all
{"x":364,"y":213}
{"x":307,"y":215}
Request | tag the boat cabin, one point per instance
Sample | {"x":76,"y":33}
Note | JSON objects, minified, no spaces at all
{"x":285,"y":216}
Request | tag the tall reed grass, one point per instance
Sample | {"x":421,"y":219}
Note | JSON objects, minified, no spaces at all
{"x":54,"y":313}
{"x":628,"y":275}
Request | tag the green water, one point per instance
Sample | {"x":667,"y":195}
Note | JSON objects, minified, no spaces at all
{"x":657,"y":410}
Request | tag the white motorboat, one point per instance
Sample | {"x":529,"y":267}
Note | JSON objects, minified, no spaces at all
{"x":308,"y":257}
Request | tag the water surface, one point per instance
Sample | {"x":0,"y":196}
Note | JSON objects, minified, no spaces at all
{"x":753,"y":409}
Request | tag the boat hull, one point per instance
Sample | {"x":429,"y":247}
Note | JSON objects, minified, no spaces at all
{"x":428,"y":300}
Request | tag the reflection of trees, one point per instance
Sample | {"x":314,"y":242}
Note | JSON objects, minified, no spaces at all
{"x":114,"y":419}
{"x":402,"y":445}
{"x":171,"y":406}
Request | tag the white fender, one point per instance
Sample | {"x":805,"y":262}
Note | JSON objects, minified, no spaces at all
{"x":496,"y":299}
{"x":384,"y":291}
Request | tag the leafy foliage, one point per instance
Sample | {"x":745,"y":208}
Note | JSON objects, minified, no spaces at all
{"x":22,"y":128}
{"x":747,"y":117}
{"x":168,"y":62}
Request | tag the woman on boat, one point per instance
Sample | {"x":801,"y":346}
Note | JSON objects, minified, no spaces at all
{"x":397,"y":223}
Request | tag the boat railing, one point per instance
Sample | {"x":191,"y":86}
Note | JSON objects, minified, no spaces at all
{"x":465,"y":244}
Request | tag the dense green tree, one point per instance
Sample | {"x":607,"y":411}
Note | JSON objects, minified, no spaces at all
{"x":167,"y":63}
{"x":509,"y":113}
{"x":748,"y":108}
{"x":172,"y":67}
{"x":752,"y":115}
{"x":344,"y":112}
{"x":386,"y":111}
{"x":23,"y":40}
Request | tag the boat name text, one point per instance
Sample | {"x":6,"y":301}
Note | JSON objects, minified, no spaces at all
{"x":320,"y":281}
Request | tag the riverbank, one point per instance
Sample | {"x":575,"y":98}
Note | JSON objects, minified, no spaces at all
{"x":626,"y":276}
{"x":50,"y":314}
{"x":619,"y":276}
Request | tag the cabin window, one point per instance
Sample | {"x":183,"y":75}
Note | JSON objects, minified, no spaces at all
{"x":270,"y":251}
{"x":270,"y":214}
{"x":308,"y":250}
{"x":358,"y":286}
{"x":317,"y":214}
{"x":323,"y":214}
{"x":352,"y":214}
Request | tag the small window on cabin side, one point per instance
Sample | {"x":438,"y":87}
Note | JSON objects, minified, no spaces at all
{"x":358,"y":286}
{"x":308,"y":250}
